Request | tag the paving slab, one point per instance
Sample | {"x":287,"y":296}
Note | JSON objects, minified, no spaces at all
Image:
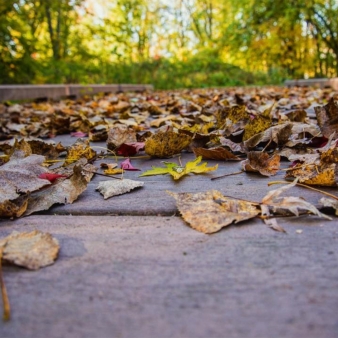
{"x":148,"y":276}
{"x":130,"y":267}
{"x":152,"y":198}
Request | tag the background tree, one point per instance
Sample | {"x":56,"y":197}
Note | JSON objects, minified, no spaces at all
{"x":177,"y":43}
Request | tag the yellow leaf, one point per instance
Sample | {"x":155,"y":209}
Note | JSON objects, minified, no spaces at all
{"x":113,"y":171}
{"x":166,"y":144}
{"x":210,"y":211}
{"x":177,"y":171}
{"x":79,"y":149}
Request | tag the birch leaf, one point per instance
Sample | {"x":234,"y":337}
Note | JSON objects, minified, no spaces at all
{"x":117,"y":187}
{"x":210,"y":211}
{"x":32,"y":250}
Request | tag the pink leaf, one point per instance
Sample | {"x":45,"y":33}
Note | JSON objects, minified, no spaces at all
{"x":126,"y":165}
{"x":78,"y":134}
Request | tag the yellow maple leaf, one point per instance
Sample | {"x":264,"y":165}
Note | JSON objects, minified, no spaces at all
{"x":177,"y":171}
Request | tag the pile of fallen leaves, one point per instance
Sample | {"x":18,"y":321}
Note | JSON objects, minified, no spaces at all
{"x":259,"y":126}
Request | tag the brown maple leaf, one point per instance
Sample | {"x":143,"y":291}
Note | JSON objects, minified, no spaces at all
{"x":262,"y":162}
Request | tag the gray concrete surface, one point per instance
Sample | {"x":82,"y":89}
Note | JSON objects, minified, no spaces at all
{"x":155,"y":277}
{"x":146,"y":274}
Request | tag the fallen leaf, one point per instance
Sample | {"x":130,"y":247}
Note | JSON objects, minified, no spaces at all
{"x":126,"y":165}
{"x":17,"y":177}
{"x":166,"y":144}
{"x":269,"y":221}
{"x":218,"y":153}
{"x":258,"y":124}
{"x":290,"y":204}
{"x":51,"y":177}
{"x":78,"y":134}
{"x":177,"y":171}
{"x":329,"y":203}
{"x":261,"y":162}
{"x":32,"y":250}
{"x":63,"y":192}
{"x":79,"y":149}
{"x":129,"y":149}
{"x":210,"y":211}
{"x":113,"y":171}
{"x":327,"y":117}
{"x":120,"y":134}
{"x":117,"y":187}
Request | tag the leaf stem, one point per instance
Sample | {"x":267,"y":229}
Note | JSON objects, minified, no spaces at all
{"x":306,"y":186}
{"x":225,"y":175}
{"x":95,"y":173}
{"x":5,"y":299}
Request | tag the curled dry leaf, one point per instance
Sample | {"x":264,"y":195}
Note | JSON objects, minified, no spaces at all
{"x":218,"y":153}
{"x":120,"y":134}
{"x":317,"y":169}
{"x":32,"y":250}
{"x":210,"y":211}
{"x":261,"y":162}
{"x":126,"y":165}
{"x":327,"y":117}
{"x":80,"y":149}
{"x":313,"y":174}
{"x":270,"y":222}
{"x":329,"y":203}
{"x":166,"y":144}
{"x":63,"y":192}
{"x":117,"y":187}
{"x":290,"y":204}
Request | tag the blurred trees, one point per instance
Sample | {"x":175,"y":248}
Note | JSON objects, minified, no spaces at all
{"x":174,"y":43}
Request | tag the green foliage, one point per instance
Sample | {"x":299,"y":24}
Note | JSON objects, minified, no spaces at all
{"x":193,"y":43}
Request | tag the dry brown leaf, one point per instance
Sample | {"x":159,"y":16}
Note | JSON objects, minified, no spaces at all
{"x":63,"y":192}
{"x":327,"y":117}
{"x":290,"y":204}
{"x":278,"y":134}
{"x":270,"y":222}
{"x":120,"y":134}
{"x":317,"y":169}
{"x":262,"y":162}
{"x":210,"y":211}
{"x":32,"y":250}
{"x":218,"y":153}
{"x":235,"y":147}
{"x":329,"y":203}
{"x":17,"y":177}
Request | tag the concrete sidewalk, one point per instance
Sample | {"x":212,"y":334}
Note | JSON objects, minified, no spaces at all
{"x":130,"y":267}
{"x":153,"y":276}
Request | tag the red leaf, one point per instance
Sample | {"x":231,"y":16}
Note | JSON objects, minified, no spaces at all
{"x":50,"y":177}
{"x":126,"y":165}
{"x":130,"y":149}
